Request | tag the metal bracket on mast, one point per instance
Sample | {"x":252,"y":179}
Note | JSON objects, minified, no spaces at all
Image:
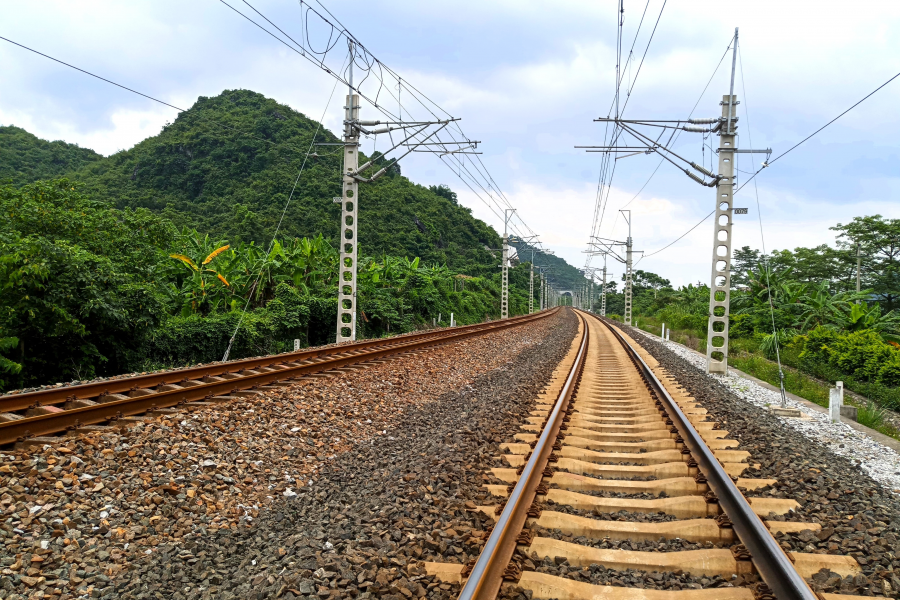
{"x":349,"y":200}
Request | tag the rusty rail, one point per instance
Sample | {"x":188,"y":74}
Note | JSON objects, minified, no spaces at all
{"x":284,"y":368}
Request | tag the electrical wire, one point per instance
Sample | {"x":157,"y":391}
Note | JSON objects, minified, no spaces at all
{"x":677,"y":135}
{"x":762,"y":236}
{"x":652,"y":33}
{"x":769,"y":163}
{"x":597,"y":224}
{"x":278,"y":228}
{"x":679,"y":237}
{"x":482,"y":180}
{"x":157,"y":100}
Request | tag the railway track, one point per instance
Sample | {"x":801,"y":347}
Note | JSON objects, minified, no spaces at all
{"x":612,"y":420}
{"x":33,"y":417}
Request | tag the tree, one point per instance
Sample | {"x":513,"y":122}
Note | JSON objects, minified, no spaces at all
{"x":743,"y":261}
{"x":79,"y":281}
{"x":879,"y":240}
{"x":6,"y":365}
{"x":444,"y":191}
{"x":819,"y":307}
{"x":645,"y":280}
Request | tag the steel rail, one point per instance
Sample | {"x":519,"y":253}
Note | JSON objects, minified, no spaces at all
{"x":19,"y":430}
{"x":487,"y":575}
{"x":14,"y":402}
{"x":772,"y":564}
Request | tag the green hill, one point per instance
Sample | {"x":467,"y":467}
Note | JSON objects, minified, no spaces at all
{"x":99,"y":255}
{"x":227,"y":166}
{"x":25,"y":158}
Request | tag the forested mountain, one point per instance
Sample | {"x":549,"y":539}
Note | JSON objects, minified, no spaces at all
{"x":156,"y":255}
{"x":25,"y":158}
{"x":227,"y":167}
{"x":561,"y":274}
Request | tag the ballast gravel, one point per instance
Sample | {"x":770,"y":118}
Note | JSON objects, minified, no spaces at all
{"x":377,"y":511}
{"x":836,"y":487}
{"x":250,"y":499}
{"x":880,"y":462}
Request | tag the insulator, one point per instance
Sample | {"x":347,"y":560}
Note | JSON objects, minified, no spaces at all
{"x":382,"y":130}
{"x":703,"y":169}
{"x":695,"y":177}
{"x":696,"y":129}
{"x":703,"y":121}
{"x":369,"y":123}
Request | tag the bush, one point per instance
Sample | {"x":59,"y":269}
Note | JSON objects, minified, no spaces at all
{"x":861,"y":354}
{"x":740,"y":326}
{"x":889,"y":373}
{"x":185,"y":340}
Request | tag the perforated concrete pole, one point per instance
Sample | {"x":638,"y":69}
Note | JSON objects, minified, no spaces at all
{"x":346,"y":317}
{"x":628,"y":264}
{"x":504,"y":285}
{"x":603,"y":290}
{"x":531,"y":285}
{"x":542,"y":291}
{"x":720,"y":284}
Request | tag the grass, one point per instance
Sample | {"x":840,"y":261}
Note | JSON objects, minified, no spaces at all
{"x":745,"y":356}
{"x":869,"y":413}
{"x":794,"y":382}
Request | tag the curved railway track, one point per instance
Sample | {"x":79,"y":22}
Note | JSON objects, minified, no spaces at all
{"x":612,"y":420}
{"x":32,"y":417}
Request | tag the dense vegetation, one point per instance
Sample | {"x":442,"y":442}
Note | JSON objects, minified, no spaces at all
{"x":805,"y":302}
{"x":89,"y":289}
{"x":25,"y":158}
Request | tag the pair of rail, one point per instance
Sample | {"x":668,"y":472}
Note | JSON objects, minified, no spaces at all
{"x":770,"y":561}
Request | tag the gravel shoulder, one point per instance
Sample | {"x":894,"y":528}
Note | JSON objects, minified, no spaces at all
{"x":326,"y":488}
{"x":836,"y":473}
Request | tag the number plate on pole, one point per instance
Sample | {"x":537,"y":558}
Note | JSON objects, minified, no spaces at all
{"x":740,"y":211}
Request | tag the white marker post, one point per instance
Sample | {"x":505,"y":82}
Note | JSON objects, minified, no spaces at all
{"x":835,"y":401}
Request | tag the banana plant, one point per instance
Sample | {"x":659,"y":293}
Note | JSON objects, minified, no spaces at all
{"x":861,"y":316}
{"x":205,"y":289}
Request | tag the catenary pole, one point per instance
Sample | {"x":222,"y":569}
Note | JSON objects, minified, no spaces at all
{"x":720,"y":284}
{"x":628,"y":273}
{"x":504,"y":285}
{"x":603,"y":289}
{"x":346,"y":317}
{"x":531,"y":284}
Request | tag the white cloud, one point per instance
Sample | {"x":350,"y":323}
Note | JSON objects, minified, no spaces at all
{"x":527,"y":78}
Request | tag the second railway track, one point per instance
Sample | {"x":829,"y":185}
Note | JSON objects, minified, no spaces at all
{"x":614,"y":432}
{"x":31,"y":417}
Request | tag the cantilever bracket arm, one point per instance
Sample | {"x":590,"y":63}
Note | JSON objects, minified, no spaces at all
{"x":412,"y":147}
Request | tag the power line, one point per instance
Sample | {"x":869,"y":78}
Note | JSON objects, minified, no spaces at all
{"x":603,"y":184}
{"x":157,"y":100}
{"x":278,"y":227}
{"x":677,"y":135}
{"x":769,"y":163}
{"x":93,"y":75}
{"x":652,"y":33}
{"x":679,"y":238}
{"x":371,"y":66}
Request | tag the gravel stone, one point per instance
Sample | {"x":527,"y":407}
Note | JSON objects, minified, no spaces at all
{"x":202,"y":504}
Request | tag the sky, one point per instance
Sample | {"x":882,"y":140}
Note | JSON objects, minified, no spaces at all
{"x":527,"y":79}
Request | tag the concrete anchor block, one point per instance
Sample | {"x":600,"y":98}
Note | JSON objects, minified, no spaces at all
{"x":849,"y":412}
